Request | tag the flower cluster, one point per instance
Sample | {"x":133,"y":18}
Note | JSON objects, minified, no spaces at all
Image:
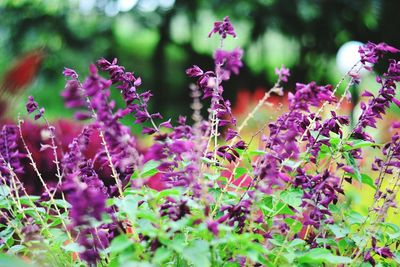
{"x":370,"y":52}
{"x":223,"y":28}
{"x":33,"y":106}
{"x":377,"y":105}
{"x":10,"y":154}
{"x":170,"y":201}
{"x":320,"y":190}
{"x":173,"y":209}
{"x":283,"y":73}
{"x":87,"y":195}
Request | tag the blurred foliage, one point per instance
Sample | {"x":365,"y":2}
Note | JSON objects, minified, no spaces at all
{"x":159,"y":39}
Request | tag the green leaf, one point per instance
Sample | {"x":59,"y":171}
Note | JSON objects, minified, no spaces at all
{"x":198,"y":253}
{"x":334,"y":141}
{"x":321,"y":255}
{"x":176,"y":191}
{"x":359,"y":144}
{"x":296,"y":242}
{"x":366,"y":179}
{"x":177,"y":243}
{"x":295,"y":226}
{"x":239,"y":172}
{"x":149,"y":169}
{"x":8,"y":260}
{"x":212,"y":177}
{"x":282,"y":208}
{"x":207,"y":160}
{"x":162,"y":254}
{"x":256,"y":152}
{"x":292,"y":197}
{"x":119,"y":244}
{"x":4,"y":191}
{"x":339,"y":232}
{"x":356,"y":218}
{"x":74,"y":247}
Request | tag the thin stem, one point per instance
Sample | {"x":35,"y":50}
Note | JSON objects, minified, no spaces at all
{"x":39,"y":175}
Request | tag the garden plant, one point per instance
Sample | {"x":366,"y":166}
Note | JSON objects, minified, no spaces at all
{"x":200,"y":194}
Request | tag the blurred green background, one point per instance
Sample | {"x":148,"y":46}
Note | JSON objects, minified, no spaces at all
{"x":159,"y":39}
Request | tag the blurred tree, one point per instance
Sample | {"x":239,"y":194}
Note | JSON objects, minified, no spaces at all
{"x":160,"y":38}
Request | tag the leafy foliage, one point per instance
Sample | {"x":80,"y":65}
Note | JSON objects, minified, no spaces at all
{"x":200,"y":194}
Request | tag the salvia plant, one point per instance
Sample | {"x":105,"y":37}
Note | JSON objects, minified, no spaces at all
{"x":200,"y":194}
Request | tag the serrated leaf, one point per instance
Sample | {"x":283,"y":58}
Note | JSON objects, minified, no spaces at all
{"x":292,"y":197}
{"x":356,"y":218}
{"x":339,"y":232}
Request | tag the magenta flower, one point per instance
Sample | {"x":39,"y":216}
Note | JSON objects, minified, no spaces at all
{"x":370,"y":52}
{"x":32,"y":106}
{"x":283,"y":73}
{"x":228,"y":61}
{"x":223,"y":28}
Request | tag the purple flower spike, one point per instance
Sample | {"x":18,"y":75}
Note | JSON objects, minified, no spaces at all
{"x":70,"y":73}
{"x":32,"y":106}
{"x":283,"y":73}
{"x":229,"y":61}
{"x":9,"y":150}
{"x":223,"y":28}
{"x":194,"y":71}
{"x":370,"y":52}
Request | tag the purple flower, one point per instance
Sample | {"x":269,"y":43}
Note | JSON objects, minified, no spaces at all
{"x":194,"y":71}
{"x":310,"y":95}
{"x":283,"y":73}
{"x":223,"y":28}
{"x":127,"y":83}
{"x":87,"y":195}
{"x":381,"y":251}
{"x":377,"y":105}
{"x":227,"y":62}
{"x":370,"y":52}
{"x":70,"y":73}
{"x":32,"y":106}
{"x":73,"y":94}
{"x":9,"y":151}
{"x":175,"y":210}
{"x":320,"y":190}
{"x":236,"y":215}
{"x":231,"y":134}
{"x":212,"y":226}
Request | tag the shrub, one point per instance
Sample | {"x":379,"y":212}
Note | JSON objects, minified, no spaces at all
{"x":221,"y":200}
